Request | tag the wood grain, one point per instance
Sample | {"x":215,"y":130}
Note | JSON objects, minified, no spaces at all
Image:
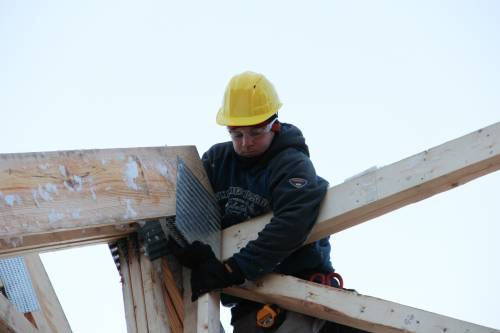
{"x":348,"y":308}
{"x":52,"y":191}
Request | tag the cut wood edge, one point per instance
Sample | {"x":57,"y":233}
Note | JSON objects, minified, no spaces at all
{"x":349,"y":308}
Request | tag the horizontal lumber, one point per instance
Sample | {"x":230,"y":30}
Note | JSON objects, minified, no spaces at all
{"x":349,"y":308}
{"x":13,"y":321}
{"x":52,"y":192}
{"x":391,"y":187}
{"x":63,"y":239}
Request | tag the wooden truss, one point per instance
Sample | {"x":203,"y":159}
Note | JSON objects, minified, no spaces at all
{"x":61,"y":199}
{"x":50,"y":318}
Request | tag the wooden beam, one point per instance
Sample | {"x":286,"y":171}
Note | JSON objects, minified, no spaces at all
{"x":13,"y":321}
{"x":128,"y":299}
{"x":173,"y":298}
{"x":63,"y":239}
{"x":190,"y":308}
{"x":209,"y":313}
{"x":60,"y":191}
{"x":51,"y":317}
{"x":348,"y":308}
{"x":138,"y":300}
{"x":143,"y":291}
{"x":391,"y":187}
{"x":152,"y":285}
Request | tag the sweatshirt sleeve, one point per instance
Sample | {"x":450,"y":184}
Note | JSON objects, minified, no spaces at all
{"x":297,"y":193}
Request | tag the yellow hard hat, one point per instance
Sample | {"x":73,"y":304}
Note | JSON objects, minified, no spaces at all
{"x":249,"y":100}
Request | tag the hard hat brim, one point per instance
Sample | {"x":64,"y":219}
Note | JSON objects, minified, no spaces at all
{"x":244,"y":121}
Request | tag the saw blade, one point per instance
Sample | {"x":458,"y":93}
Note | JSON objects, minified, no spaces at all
{"x":198,"y":215}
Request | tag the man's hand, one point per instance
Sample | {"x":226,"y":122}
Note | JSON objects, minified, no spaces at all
{"x":212,"y":275}
{"x":192,"y":255}
{"x":207,"y":272}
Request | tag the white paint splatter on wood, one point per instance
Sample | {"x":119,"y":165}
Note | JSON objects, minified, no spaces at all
{"x":76,"y":213}
{"x":92,"y":191}
{"x":62,"y":170}
{"x":78,"y":182}
{"x":45,"y":192}
{"x":130,"y":214}
{"x":11,"y":199}
{"x":162,"y":169}
{"x":55,"y":216}
{"x":75,"y":184}
{"x":131,"y":173}
{"x":34,"y":193}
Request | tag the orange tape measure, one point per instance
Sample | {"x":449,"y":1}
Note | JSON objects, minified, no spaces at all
{"x":269,"y":316}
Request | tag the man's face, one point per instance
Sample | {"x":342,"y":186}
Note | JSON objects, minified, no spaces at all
{"x":251,"y":141}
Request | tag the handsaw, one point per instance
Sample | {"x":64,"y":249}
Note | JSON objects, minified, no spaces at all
{"x":197,"y":217}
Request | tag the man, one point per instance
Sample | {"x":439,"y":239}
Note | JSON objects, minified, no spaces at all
{"x":265,"y":167}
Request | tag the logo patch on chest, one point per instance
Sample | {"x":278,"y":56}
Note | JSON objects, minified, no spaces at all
{"x":297,"y":182}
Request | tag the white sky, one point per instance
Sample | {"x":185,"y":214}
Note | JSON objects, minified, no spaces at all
{"x":369,"y":83}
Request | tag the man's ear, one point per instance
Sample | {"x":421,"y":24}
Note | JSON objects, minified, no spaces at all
{"x":276,"y":127}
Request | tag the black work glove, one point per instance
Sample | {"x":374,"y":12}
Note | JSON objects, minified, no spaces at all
{"x":192,"y":255}
{"x":207,"y":272}
{"x":212,"y":274}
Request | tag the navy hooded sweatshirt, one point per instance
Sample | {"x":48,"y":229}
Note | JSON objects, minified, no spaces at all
{"x":282,"y":180}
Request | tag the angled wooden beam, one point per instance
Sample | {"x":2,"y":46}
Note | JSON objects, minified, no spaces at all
{"x":55,"y":192}
{"x":51,"y":317}
{"x":348,"y":308}
{"x":391,"y":187}
{"x":13,"y":321}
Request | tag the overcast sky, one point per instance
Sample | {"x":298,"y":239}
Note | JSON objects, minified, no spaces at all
{"x":368,"y":82}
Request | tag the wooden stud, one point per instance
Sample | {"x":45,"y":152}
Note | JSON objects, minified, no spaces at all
{"x":190,"y":308}
{"x":128,"y":299}
{"x":152,"y":286}
{"x":51,"y":317}
{"x":134,"y":265}
{"x":173,"y":298}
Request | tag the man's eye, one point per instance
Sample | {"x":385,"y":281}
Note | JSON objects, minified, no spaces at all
{"x":254,"y":134}
{"x":235,"y":135}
